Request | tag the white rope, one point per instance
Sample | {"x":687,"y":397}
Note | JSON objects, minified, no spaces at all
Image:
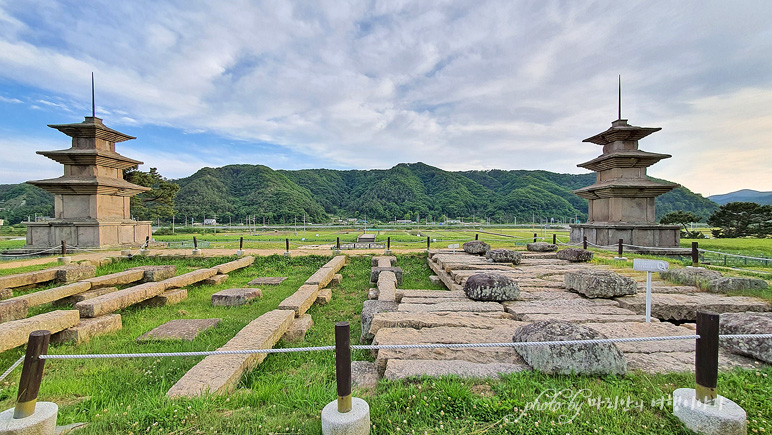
{"x":735,"y":255}
{"x":202,"y":353}
{"x":32,"y":253}
{"x":735,"y":336}
{"x":13,"y":366}
{"x":652,"y":248}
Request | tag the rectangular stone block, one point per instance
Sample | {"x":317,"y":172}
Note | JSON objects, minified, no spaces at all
{"x":376,"y":271}
{"x":47,"y":296}
{"x":472,"y":307}
{"x":383,"y":261}
{"x":436,"y":294}
{"x":324,"y":296}
{"x":74,"y":299}
{"x":336,"y":263}
{"x":88,"y":329}
{"x":16,"y":333}
{"x":5,"y":293}
{"x":234,"y":265}
{"x":12,"y":309}
{"x":297,"y":331}
{"x":387,"y":286}
{"x":115,"y":279}
{"x":74,"y":272}
{"x":219,"y":374}
{"x":399,"y":319}
{"x":179,"y":329}
{"x":27,"y":278}
{"x":321,"y":277}
{"x":233,"y":297}
{"x":189,"y":278}
{"x":215,"y":280}
{"x":301,"y":300}
{"x":268,"y":280}
{"x":115,"y":301}
{"x":169,"y":297}
{"x":405,"y":369}
{"x":685,"y":306}
{"x":156,"y":273}
{"x":336,"y":279}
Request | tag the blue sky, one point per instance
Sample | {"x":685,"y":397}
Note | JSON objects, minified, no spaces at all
{"x":369,"y":84}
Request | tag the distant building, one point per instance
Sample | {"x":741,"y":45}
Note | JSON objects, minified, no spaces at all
{"x":210,"y":221}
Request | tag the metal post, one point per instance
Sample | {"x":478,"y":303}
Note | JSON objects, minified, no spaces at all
{"x":195,"y":243}
{"x":695,"y":254}
{"x":534,"y":237}
{"x":64,"y":248}
{"x":706,"y":360}
{"x":241,"y":243}
{"x":31,"y":374}
{"x":286,"y":244}
{"x":337,"y":243}
{"x":428,"y":242}
{"x":554,"y":239}
{"x":388,"y":243}
{"x":476,"y":236}
{"x":620,"y":247}
{"x":584,"y":242}
{"x":343,"y":366}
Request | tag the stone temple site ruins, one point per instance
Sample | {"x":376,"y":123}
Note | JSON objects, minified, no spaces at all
{"x":495,"y":306}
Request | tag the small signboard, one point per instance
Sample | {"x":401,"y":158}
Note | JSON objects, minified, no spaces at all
{"x":650,"y":265}
{"x":453,"y":246}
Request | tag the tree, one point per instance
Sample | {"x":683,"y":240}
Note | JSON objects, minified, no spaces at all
{"x":156,"y":203}
{"x":682,"y":218}
{"x":742,"y":219}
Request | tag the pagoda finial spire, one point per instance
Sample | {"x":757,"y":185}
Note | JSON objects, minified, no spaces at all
{"x":619,"y":107}
{"x":93,"y":106}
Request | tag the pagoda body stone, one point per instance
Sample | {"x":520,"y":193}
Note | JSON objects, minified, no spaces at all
{"x":91,"y":199}
{"x":621,"y":202}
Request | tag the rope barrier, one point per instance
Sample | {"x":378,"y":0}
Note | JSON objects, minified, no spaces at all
{"x":13,"y":366}
{"x":735,"y":255}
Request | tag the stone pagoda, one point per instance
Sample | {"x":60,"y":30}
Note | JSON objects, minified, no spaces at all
{"x":621,"y":202}
{"x":91,"y":199}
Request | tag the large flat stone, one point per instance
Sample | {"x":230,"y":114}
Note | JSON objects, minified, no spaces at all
{"x":156,"y":273}
{"x":215,"y":280}
{"x":27,"y":278}
{"x":297,"y":331}
{"x":13,"y":309}
{"x":375,"y":272}
{"x":364,"y":375}
{"x":47,"y":296}
{"x":432,"y":320}
{"x":519,"y":311}
{"x":643,"y":329}
{"x":425,"y":294}
{"x":268,"y":280}
{"x":87,"y":329}
{"x":116,"y":279}
{"x":383,"y":261}
{"x":583,"y":318}
{"x":233,"y":297}
{"x":600,"y":284}
{"x":115,"y":301}
{"x":168,"y":297}
{"x":387,"y":287}
{"x":301,"y":300}
{"x":685,"y":306}
{"x":321,"y":277}
{"x":235,"y":265}
{"x":179,"y":329}
{"x":16,"y":332}
{"x":443,"y":276}
{"x":5,"y":293}
{"x":369,"y":309}
{"x":336,"y":263}
{"x":670,"y":362}
{"x":473,"y":306}
{"x":74,"y":299}
{"x":748,"y":323}
{"x":219,"y":374}
{"x":74,"y":272}
{"x":189,"y":278}
{"x":405,"y":369}
{"x":433,"y":300}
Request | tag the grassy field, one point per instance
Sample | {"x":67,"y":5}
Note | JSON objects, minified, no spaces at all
{"x":286,"y":393}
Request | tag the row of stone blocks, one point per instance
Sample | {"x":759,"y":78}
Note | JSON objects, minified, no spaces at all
{"x":307,"y":294}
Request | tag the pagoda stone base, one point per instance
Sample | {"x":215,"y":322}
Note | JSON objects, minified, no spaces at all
{"x":87,"y":234}
{"x":645,"y":235}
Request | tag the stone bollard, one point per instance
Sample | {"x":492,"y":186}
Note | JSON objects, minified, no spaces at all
{"x":64,"y":260}
{"x":347,"y":415}
{"x":30,"y":417}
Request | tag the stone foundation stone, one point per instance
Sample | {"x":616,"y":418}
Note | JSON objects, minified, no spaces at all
{"x":376,"y":271}
{"x":600,"y":283}
{"x":13,"y":309}
{"x":369,"y":309}
{"x":748,"y":323}
{"x":115,"y":301}
{"x":504,"y":256}
{"x":16,"y":332}
{"x":324,"y":296}
{"x":89,"y":328}
{"x":301,"y":300}
{"x":234,"y":265}
{"x":179,"y":329}
{"x":541,"y":247}
{"x":575,"y":255}
{"x":491,"y":287}
{"x":169,"y":297}
{"x":74,"y":272}
{"x":233,"y":297}
{"x":268,"y":280}
{"x":733,"y":283}
{"x":476,"y":247}
{"x":215,"y":280}
{"x":297,"y":331}
{"x":690,"y":275}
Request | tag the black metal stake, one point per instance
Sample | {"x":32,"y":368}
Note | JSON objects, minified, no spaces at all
{"x":337,"y":243}
{"x":706,"y":360}
{"x":554,"y":239}
{"x":476,"y":236}
{"x":388,"y":243}
{"x":286,"y":245}
{"x":695,"y":254}
{"x":31,"y":374}
{"x":620,"y":246}
{"x":195,"y":243}
{"x":343,"y":365}
{"x":241,"y":243}
{"x":428,"y":242}
{"x":64,"y":248}
{"x":584,"y":242}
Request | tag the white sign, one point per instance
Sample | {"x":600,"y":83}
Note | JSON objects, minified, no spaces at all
{"x":454,"y":246}
{"x":650,"y":265}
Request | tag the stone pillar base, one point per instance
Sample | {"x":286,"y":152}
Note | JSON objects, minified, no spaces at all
{"x":643,"y":235}
{"x":239,"y":253}
{"x":64,"y":260}
{"x":196,"y":252}
{"x":286,"y":253}
{"x":42,"y":422}
{"x":723,"y":417}
{"x":354,"y":422}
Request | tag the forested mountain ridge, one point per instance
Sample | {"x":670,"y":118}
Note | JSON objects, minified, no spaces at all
{"x":405,"y":191}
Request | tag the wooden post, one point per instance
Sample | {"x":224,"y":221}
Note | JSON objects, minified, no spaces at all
{"x":337,"y":243}
{"x":584,"y":242}
{"x":195,"y":243}
{"x":286,"y":245}
{"x":64,"y":248}
{"x":241,"y":243}
{"x":534,"y":237}
{"x":476,"y":236}
{"x":695,"y":254}
{"x":31,"y":374}
{"x":554,"y":239}
{"x":428,"y":243}
{"x":620,"y":247}
{"x":388,"y":243}
{"x":706,"y":360}
{"x":343,"y":366}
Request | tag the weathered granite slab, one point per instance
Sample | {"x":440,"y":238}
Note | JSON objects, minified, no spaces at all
{"x":405,"y":369}
{"x":685,"y":306}
{"x":47,"y":296}
{"x":215,"y":280}
{"x":268,"y":280}
{"x":115,"y":301}
{"x":457,"y":267}
{"x":234,"y":265}
{"x":383,"y":261}
{"x":387,"y":286}
{"x":336,"y":279}
{"x":74,"y":299}
{"x":116,"y":279}
{"x":583,"y":318}
{"x":539,"y":255}
{"x":219,"y":374}
{"x":16,"y":332}
{"x":5,"y":293}
{"x":444,"y":277}
{"x":169,"y":297}
{"x":375,"y":272}
{"x":472,"y":306}
{"x":12,"y":309}
{"x":156,"y":273}
{"x":542,"y":294}
{"x":27,"y":278}
{"x":364,"y":375}
{"x":301,"y":300}
{"x":324,"y":296}
{"x":87,"y":329}
{"x":179,"y":329}
{"x":189,"y":278}
{"x":74,"y":272}
{"x":434,"y":300}
{"x":425,"y":294}
{"x":669,"y":362}
{"x":643,"y":329}
{"x":433,"y":320}
{"x":520,"y":311}
{"x":234,"y":297}
{"x":321,"y":277}
{"x":336,"y":263}
{"x":297,"y":331}
{"x":369,"y":309}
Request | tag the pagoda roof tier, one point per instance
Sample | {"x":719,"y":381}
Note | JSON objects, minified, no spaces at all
{"x":623,"y":159}
{"x":87,"y":157}
{"x":92,"y":127}
{"x":89,"y":186}
{"x":621,"y":130}
{"x":625,"y":188}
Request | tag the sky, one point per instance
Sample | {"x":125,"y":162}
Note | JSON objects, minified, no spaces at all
{"x":369,"y":84}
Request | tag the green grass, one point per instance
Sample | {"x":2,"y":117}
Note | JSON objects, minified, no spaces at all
{"x":285,"y":394}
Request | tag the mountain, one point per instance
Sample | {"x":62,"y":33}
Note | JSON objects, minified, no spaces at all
{"x":744,"y":195}
{"x":21,"y":201}
{"x":406,"y":191}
